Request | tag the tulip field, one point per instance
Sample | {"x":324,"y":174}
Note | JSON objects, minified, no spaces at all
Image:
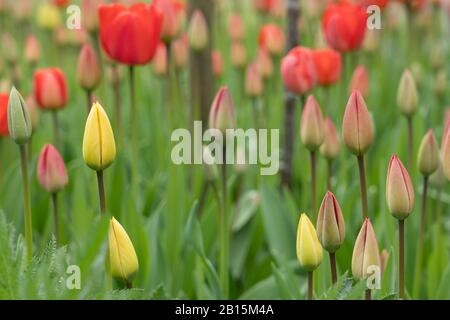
{"x":116,"y":118}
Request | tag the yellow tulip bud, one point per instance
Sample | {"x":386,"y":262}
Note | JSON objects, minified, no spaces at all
{"x":99,"y":147}
{"x":122,"y":256}
{"x":48,"y":16}
{"x":309,"y":249}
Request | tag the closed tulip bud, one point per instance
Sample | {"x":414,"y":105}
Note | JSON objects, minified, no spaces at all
{"x":48,"y":16}
{"x":222,"y":115}
{"x":89,"y":73}
{"x":330,"y":223}
{"x":445,"y":151}
{"x":271,"y":37}
{"x":235,"y":27}
{"x":328,"y":64}
{"x":407,"y":98}
{"x":330,"y":146}
{"x":160,"y":60}
{"x":122,"y":256}
{"x":357,"y":128}
{"x":428,"y":158}
{"x":365,"y":252}
{"x":360,"y":81}
{"x":311,"y":126}
{"x":90,"y":15}
{"x":264,"y":63}
{"x":253,"y":81}
{"x":298,"y":70}
{"x":180,"y":52}
{"x":32,"y":50}
{"x":238,"y":55}
{"x":19,"y":122}
{"x":198,"y":31}
{"x":50,"y":88}
{"x":400,"y":195}
{"x":217,"y":63}
{"x":171,"y":12}
{"x":209,"y":165}
{"x":99,"y":147}
{"x":51,"y":171}
{"x":440,"y":83}
{"x":309,"y":250}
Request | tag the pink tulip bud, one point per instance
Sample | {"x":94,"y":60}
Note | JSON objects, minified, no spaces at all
{"x":160,"y":60}
{"x":298,"y":71}
{"x":311,"y":126}
{"x":238,"y":55}
{"x":217,"y":63}
{"x":357,"y":128}
{"x":89,"y":10}
{"x":330,"y":223}
{"x":366,"y":256}
{"x":89,"y":72}
{"x":235,"y":27}
{"x":253,"y":81}
{"x":180,"y":51}
{"x":271,"y":37}
{"x":399,"y":190}
{"x":198,"y":31}
{"x":222,"y":115}
{"x":51,"y":171}
{"x":32,"y":50}
{"x":330,"y":146}
{"x":264,"y":63}
{"x":360,"y":81}
{"x":428,"y":158}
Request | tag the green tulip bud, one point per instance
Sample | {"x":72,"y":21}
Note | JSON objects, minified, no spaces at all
{"x":428,"y":158}
{"x":19,"y":122}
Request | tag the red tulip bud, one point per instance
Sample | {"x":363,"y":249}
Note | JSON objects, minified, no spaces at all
{"x":235,"y":27}
{"x":222,"y":115}
{"x":32,"y":50}
{"x":311,"y":126}
{"x":89,"y":72}
{"x":51,"y":171}
{"x":357,"y":128}
{"x":330,"y":223}
{"x":365,"y":252}
{"x":50,"y":88}
{"x":298,"y":71}
{"x":399,"y":190}
{"x":217,"y":63}
{"x":330,"y":146}
{"x":271,"y":37}
{"x":328,"y":66}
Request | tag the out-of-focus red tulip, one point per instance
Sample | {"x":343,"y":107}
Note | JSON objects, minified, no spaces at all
{"x":32,"y":50}
{"x":198,"y":31}
{"x":357,"y":128}
{"x":264,"y":63}
{"x":380,"y":3}
{"x":50,"y":88}
{"x":171,"y":11}
{"x":89,"y":9}
{"x":400,"y":195}
{"x":61,"y":3}
{"x":51,"y":170}
{"x":89,"y":73}
{"x":271,"y":37}
{"x":359,"y":81}
{"x":298,"y":71}
{"x":344,"y":26}
{"x":222,"y":115}
{"x":238,"y":54}
{"x":253,"y":81}
{"x":4,"y":97}
{"x":236,"y":27}
{"x":130,"y":35}
{"x":160,"y":60}
{"x":272,"y":7}
{"x":217,"y":63}
{"x":328,"y":65}
{"x":180,"y":51}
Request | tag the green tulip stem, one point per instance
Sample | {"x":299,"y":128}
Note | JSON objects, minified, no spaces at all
{"x":55,"y":128}
{"x":133,"y":128}
{"x":310,"y":285}
{"x":401,"y":251}
{"x":363,"y":188}
{"x":26,"y":202}
{"x":101,"y":191}
{"x":313,"y":156}
{"x":368,"y":294}
{"x":88,"y":100}
{"x":333,"y":267}
{"x":410,"y":143}
{"x":55,"y":217}
{"x":224,"y":230}
{"x":420,"y":240}
{"x":329,"y":173}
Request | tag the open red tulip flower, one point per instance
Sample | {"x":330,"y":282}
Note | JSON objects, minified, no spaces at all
{"x":271,"y":37}
{"x":51,"y":171}
{"x":61,"y":3}
{"x":130,"y":35}
{"x":298,"y":71}
{"x":50,"y":88}
{"x":344,"y":26}
{"x":328,"y":63}
{"x":4,"y":98}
